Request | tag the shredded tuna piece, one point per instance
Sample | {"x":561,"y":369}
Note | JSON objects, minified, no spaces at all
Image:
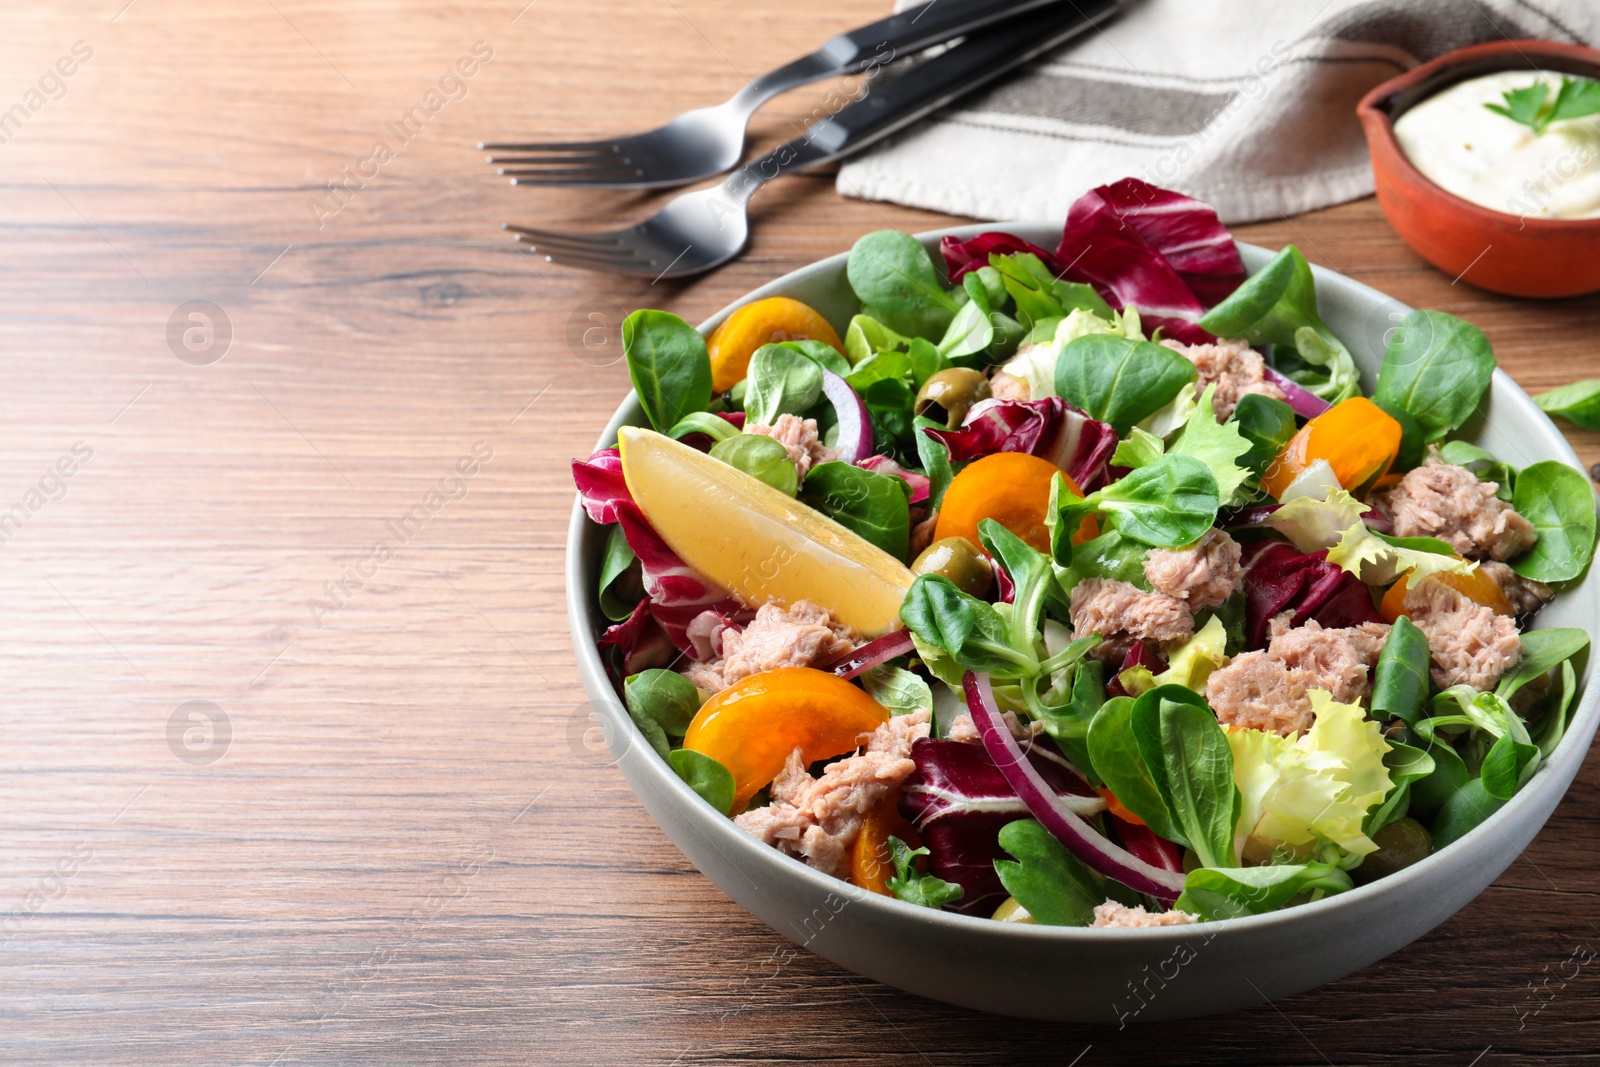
{"x":1233,"y":366}
{"x":1449,"y":502}
{"x":800,"y":635}
{"x":1112,"y":913}
{"x":1470,"y":643}
{"x":818,"y":819}
{"x":1526,"y":595}
{"x":1122,"y":613}
{"x":1270,"y":690}
{"x":800,"y":439}
{"x":1204,"y":574}
{"x":962,"y":728}
{"x":1003,"y":386}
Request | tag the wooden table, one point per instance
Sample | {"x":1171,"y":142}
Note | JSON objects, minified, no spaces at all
{"x":273,"y":794}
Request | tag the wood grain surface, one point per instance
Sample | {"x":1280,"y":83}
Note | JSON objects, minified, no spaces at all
{"x":295,"y":765}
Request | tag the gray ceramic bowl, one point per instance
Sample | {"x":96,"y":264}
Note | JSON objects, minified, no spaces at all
{"x":1089,"y":975}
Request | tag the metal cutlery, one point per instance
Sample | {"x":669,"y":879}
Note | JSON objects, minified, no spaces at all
{"x":708,"y":141}
{"x":703,"y":229}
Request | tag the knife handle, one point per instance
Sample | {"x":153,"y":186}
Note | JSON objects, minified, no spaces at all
{"x":925,"y":25}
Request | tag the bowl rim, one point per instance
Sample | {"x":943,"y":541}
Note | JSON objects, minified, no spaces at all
{"x":1377,"y":119}
{"x":891,"y":910}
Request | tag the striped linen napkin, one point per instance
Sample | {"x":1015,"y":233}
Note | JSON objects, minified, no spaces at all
{"x":1248,"y":105}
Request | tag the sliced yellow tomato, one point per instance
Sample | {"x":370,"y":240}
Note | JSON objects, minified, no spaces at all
{"x":1357,"y":438}
{"x":1476,"y":586}
{"x":871,"y":866}
{"x":765,"y":322}
{"x":1013,"y":489}
{"x":752,"y":726}
{"x":756,"y":542}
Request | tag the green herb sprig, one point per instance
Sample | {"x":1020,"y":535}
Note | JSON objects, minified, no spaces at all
{"x":1576,"y":98}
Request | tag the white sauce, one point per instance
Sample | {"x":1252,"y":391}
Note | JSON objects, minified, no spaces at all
{"x":1486,"y":158}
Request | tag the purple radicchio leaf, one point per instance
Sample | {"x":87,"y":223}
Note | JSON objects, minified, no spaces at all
{"x":958,"y":800}
{"x":962,"y":257}
{"x":1049,"y":428}
{"x":1279,"y":578}
{"x":884,"y":465}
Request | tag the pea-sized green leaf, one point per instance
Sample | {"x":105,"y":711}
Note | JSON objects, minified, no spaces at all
{"x":1577,"y":402}
{"x":935,"y":457}
{"x":713,"y":426}
{"x":1267,"y":423}
{"x":1117,"y":759}
{"x":1465,"y":809}
{"x":969,"y":630}
{"x":760,"y":457}
{"x":899,"y":285}
{"x":1118,"y":380}
{"x":1191,"y":765}
{"x":662,"y":703}
{"x":1482,"y":463}
{"x":1541,"y":651}
{"x":1228,"y":893}
{"x":1218,"y":445}
{"x":705,"y":776}
{"x":1560,"y":503}
{"x":1050,"y":882}
{"x":897,"y":689}
{"x":1435,"y":370}
{"x":1400,"y":682}
{"x":621,"y":583}
{"x":914,"y":887}
{"x":875,"y":506}
{"x":668,"y":364}
{"x":780,"y":382}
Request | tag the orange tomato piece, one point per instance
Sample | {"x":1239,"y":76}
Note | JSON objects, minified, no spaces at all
{"x":870,"y":863}
{"x":752,"y":726}
{"x":1358,"y":439}
{"x":1116,"y":807}
{"x":1477,"y":587}
{"x":765,"y":322}
{"x":1013,"y":489}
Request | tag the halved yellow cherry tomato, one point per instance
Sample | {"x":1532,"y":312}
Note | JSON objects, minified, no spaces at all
{"x":1477,"y":587}
{"x":765,"y":322}
{"x":870,"y":862}
{"x":1013,"y":489}
{"x":752,"y":726}
{"x":1358,"y":439}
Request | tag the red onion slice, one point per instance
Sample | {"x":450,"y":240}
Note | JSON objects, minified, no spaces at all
{"x":855,"y":424}
{"x":872,"y":654}
{"x":1081,"y":839}
{"x":1305,"y":403}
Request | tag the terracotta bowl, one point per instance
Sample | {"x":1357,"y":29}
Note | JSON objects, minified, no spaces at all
{"x":1493,"y":250}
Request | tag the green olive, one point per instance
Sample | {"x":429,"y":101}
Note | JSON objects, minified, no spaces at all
{"x":959,"y":560}
{"x":1400,"y":844}
{"x":950,"y":394}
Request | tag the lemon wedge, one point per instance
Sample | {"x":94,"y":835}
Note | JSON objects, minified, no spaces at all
{"x":756,"y":542}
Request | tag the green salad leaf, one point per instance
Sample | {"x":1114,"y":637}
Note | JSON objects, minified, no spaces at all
{"x":1169,"y":503}
{"x":1541,"y":651}
{"x":1118,"y":380}
{"x":899,"y":285}
{"x":669,"y":366}
{"x":1055,"y":887}
{"x":760,"y":457}
{"x":897,"y":689}
{"x":1480,"y":462}
{"x":1189,"y":761}
{"x":1212,"y":893}
{"x":1400,"y":681}
{"x":713,"y":426}
{"x":972,"y":329}
{"x":1039,"y":295}
{"x":1118,"y":760}
{"x":662,"y":703}
{"x":1578,"y":403}
{"x":1434,"y":373}
{"x":1267,"y":423}
{"x":969,"y":630}
{"x":621,"y":583}
{"x":1218,"y":445}
{"x":1561,"y":505}
{"x":935,"y":457}
{"x":705,"y":776}
{"x":914,"y":887}
{"x":875,"y":506}
{"x":779,"y":384}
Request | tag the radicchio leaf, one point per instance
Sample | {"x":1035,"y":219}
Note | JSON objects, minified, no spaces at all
{"x":1279,"y":578}
{"x":1139,"y":655}
{"x":961,"y":257}
{"x":1184,"y":231}
{"x":884,"y":465}
{"x":958,"y":800}
{"x":601,"y":485}
{"x":640,"y":643}
{"x":1049,"y":428}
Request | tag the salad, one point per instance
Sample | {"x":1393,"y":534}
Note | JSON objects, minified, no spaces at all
{"x":1087,"y":588}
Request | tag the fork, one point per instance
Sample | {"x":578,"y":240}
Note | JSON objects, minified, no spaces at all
{"x":708,"y":141}
{"x":703,"y":229}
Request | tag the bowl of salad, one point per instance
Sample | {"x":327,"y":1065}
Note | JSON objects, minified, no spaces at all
{"x":1107,"y":623}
